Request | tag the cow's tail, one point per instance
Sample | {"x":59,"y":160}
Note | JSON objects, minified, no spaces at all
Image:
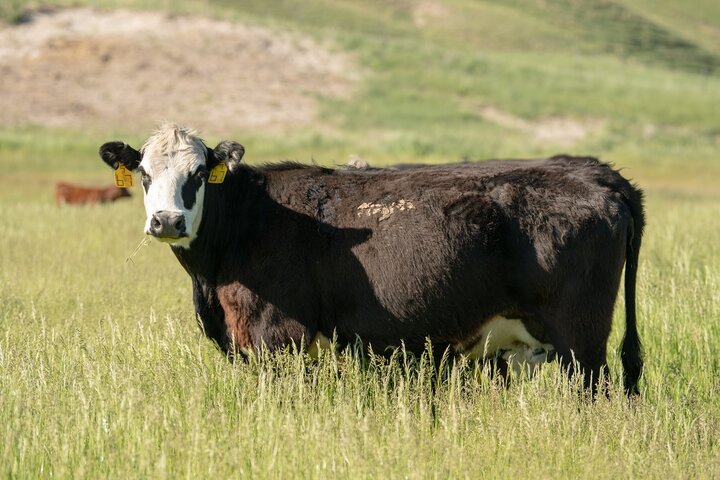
{"x":631,"y":355}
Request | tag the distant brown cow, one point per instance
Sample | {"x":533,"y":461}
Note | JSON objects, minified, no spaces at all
{"x":75,"y":195}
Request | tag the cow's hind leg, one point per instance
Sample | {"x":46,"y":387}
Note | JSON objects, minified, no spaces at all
{"x":580,"y":339}
{"x":588,"y":362}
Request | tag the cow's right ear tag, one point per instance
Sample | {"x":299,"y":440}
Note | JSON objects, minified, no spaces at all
{"x":123,"y":177}
{"x":218,"y":172}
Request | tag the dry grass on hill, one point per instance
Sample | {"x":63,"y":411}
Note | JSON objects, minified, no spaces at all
{"x":86,"y":67}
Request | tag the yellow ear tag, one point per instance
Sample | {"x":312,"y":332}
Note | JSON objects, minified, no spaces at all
{"x":217,"y":174}
{"x":123,"y":177}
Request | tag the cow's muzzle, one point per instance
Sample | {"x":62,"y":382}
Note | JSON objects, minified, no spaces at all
{"x":164,"y":224}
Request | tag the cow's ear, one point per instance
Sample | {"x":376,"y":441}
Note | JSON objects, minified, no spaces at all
{"x":210,"y":156}
{"x":227,"y":151}
{"x":116,"y":153}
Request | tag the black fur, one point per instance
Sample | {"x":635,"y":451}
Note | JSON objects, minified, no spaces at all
{"x":210,"y":160}
{"x":285,"y":252}
{"x":189,"y":190}
{"x":631,"y":347}
{"x":116,"y":153}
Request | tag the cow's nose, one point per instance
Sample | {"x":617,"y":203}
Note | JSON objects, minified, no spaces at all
{"x":167,"y":225}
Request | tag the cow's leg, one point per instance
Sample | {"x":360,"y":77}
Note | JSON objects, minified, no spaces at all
{"x":578,"y":320}
{"x":275,"y":332}
{"x":252,"y":324}
{"x":580,"y":338}
{"x":588,"y":362}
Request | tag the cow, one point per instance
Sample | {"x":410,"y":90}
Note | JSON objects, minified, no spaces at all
{"x":519,"y":259}
{"x":66,"y":193}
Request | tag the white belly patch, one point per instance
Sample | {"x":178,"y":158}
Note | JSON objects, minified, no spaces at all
{"x":320,"y":342}
{"x":508,"y":339}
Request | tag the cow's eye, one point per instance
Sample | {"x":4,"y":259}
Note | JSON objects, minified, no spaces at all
{"x":201,"y":173}
{"x":145,"y":179}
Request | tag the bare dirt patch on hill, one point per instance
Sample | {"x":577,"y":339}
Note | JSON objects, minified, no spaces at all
{"x":121,"y":69}
{"x":562,"y":131}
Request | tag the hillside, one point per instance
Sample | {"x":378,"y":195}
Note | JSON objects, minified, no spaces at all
{"x":633,"y":82}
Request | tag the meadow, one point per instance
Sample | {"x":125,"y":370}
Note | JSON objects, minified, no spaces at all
{"x":104,"y":372}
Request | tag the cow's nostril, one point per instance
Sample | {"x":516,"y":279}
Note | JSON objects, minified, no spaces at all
{"x":155,"y":223}
{"x":180,"y":224}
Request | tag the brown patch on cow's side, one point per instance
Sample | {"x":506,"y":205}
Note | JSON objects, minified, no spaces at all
{"x":238,"y":304}
{"x":85,"y":67}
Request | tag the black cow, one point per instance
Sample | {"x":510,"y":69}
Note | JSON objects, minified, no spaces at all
{"x":516,"y":259}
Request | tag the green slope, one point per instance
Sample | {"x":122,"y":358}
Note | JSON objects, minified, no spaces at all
{"x":697,"y":21}
{"x":642,"y":75}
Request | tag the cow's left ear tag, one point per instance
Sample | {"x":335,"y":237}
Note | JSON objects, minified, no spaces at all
{"x":123,"y":177}
{"x":218,"y":172}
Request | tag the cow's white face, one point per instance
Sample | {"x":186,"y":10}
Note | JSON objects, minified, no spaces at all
{"x":174,"y":165}
{"x":173,"y":172}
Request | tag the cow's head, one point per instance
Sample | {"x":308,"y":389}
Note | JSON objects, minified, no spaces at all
{"x":174,"y":165}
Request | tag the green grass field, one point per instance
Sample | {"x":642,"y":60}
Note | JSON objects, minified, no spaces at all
{"x":104,"y":373}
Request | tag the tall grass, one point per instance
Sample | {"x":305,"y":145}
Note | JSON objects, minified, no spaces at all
{"x":103,"y":372}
